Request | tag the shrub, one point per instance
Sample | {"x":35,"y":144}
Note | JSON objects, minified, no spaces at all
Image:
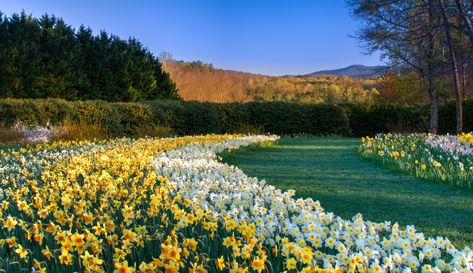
{"x":9,"y":135}
{"x":447,"y":117}
{"x":81,"y":131}
{"x":170,"y":117}
{"x":369,"y":120}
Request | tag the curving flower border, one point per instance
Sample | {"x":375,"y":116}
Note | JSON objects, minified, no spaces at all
{"x":115,"y":206}
{"x":301,"y":228}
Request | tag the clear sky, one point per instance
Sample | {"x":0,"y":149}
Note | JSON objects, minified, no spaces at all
{"x":271,"y":37}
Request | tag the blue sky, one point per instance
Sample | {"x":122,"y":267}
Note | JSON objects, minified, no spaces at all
{"x":261,"y":36}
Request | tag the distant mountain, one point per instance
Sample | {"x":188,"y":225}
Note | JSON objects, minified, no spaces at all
{"x":356,"y":71}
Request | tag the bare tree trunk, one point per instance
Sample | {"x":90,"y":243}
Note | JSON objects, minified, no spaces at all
{"x":466,"y":92}
{"x":466,"y":20}
{"x":463,"y":80}
{"x":434,"y":109}
{"x":456,"y":79}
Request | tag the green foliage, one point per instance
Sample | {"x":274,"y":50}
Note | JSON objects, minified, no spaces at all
{"x":291,"y":118}
{"x":447,"y":117}
{"x":233,"y":117}
{"x":369,"y":120}
{"x":191,"y":118}
{"x":46,"y":58}
{"x":185,"y":118}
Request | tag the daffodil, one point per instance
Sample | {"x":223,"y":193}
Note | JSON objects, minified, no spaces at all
{"x":220,"y":263}
{"x":22,"y":253}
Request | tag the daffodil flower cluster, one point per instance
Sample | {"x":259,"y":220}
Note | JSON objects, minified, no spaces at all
{"x":457,"y":146}
{"x":466,"y":138}
{"x":305,"y":234}
{"x":169,"y":205}
{"x":91,"y":207}
{"x":435,"y":157}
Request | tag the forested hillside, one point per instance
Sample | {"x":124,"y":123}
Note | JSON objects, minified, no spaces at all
{"x":45,"y":57}
{"x":202,"y":82}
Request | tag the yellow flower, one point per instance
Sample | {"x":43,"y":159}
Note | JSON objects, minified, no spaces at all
{"x":123,"y":268}
{"x":147,"y":268}
{"x":424,"y":166}
{"x":65,"y":258}
{"x":191,"y":243}
{"x":170,"y":252}
{"x":291,"y":264}
{"x":47,"y":253}
{"x":229,"y":241}
{"x":21,"y":252}
{"x":306,"y":255}
{"x":275,"y":250}
{"x":376,"y":269}
{"x":77,"y":240}
{"x":197,"y":268}
{"x":220,"y":263}
{"x":11,"y":242}
{"x":10,"y":223}
{"x":171,"y":267}
{"x":258,"y":264}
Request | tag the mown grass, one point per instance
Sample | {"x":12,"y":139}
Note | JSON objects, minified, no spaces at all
{"x":331,"y":171}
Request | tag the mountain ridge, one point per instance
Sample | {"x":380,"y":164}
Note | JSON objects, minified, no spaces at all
{"x":355,"y":71}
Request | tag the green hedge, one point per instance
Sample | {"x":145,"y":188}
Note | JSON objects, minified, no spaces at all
{"x":190,"y":118}
{"x":369,"y":120}
{"x":447,"y":121}
{"x":185,"y":118}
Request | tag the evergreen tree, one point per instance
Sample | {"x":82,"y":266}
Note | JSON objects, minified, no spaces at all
{"x":45,"y":57}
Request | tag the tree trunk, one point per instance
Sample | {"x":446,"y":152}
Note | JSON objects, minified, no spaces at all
{"x":433,"y":98}
{"x":464,"y":78}
{"x":434,"y":109}
{"x":466,"y":20}
{"x":456,"y":79}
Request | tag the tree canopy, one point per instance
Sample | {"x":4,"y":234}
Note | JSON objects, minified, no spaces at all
{"x":45,"y":57}
{"x":432,"y":38}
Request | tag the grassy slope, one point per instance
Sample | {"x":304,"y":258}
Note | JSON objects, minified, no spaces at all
{"x":330,"y":170}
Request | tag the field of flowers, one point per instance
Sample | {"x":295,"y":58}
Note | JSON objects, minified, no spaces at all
{"x":443,"y":158}
{"x":170,"y":205}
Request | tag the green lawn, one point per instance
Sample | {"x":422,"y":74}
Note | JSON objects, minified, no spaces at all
{"x":331,"y":171}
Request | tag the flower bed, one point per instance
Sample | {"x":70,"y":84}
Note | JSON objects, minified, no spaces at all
{"x":446,"y":158}
{"x":117,"y":207}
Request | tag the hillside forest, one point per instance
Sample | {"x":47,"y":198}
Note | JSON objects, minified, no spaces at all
{"x":203,"y":82}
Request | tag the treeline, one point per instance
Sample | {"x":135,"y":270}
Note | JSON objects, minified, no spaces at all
{"x":188,"y":118}
{"x":202,"y":82}
{"x":431,"y":39}
{"x":313,"y":89}
{"x":46,"y":58}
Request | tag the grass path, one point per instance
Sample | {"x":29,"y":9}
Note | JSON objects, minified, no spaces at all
{"x":331,"y":171}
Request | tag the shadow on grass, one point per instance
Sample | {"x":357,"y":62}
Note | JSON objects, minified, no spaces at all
{"x":331,"y":171}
